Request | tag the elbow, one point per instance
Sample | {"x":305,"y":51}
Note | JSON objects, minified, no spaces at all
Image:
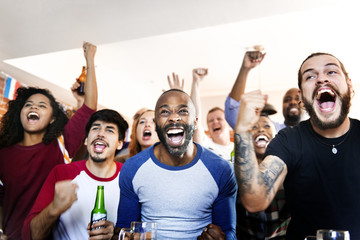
{"x":254,"y":204}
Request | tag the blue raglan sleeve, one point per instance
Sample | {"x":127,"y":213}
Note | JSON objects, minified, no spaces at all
{"x":224,"y":211}
{"x":129,"y":208}
{"x":231,"y":111}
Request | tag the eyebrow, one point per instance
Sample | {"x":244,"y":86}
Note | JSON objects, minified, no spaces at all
{"x":31,"y":101}
{"x":98,"y":124}
{"x":326,"y":65}
{"x":167,"y":106}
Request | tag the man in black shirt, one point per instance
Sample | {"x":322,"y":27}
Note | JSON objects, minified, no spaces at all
{"x":316,"y":161}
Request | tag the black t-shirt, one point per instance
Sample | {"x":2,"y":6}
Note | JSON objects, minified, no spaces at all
{"x":322,"y":188}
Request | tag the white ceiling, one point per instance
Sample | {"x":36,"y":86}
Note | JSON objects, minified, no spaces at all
{"x":140,"y":42}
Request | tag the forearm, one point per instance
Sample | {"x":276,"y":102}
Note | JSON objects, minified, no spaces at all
{"x":251,"y":186}
{"x":238,"y":88}
{"x":195,"y":96}
{"x":91,"y":86}
{"x":199,"y":133}
{"x":42,"y":223}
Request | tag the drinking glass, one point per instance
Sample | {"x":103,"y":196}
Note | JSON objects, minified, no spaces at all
{"x":325,"y":234}
{"x":139,"y":231}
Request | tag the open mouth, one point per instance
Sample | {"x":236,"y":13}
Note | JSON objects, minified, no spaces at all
{"x":293,"y":110}
{"x":176,"y":136}
{"x":217,"y":129}
{"x":147,"y":135}
{"x":33,"y":117}
{"x":261,"y":141}
{"x":99,"y":146}
{"x":326,"y":98}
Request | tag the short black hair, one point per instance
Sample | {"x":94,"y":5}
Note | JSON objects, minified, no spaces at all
{"x":109,"y":116}
{"x":175,"y":90}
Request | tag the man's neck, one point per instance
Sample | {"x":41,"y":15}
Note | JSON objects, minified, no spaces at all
{"x":104,"y":169}
{"x":333,"y":132}
{"x":165,"y":157}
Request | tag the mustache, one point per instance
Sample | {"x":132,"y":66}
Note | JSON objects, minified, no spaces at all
{"x":175,"y":125}
{"x":325,"y":85}
{"x":100,"y":139}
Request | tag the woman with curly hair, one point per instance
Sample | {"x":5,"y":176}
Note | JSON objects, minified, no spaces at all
{"x":29,"y":146}
{"x":143,"y":134}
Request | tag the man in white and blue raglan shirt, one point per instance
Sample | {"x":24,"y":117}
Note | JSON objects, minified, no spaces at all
{"x":188,"y":190}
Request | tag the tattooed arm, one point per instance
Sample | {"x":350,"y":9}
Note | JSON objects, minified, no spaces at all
{"x":257,"y":184}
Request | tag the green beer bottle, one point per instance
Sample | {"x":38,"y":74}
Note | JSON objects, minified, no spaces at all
{"x":98,"y":213}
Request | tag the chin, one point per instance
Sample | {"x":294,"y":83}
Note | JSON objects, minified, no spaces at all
{"x":97,"y":158}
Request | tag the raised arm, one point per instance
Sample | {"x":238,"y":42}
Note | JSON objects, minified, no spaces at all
{"x":257,"y":184}
{"x":64,"y":197}
{"x":91,"y":94}
{"x":198,"y":75}
{"x":251,"y":60}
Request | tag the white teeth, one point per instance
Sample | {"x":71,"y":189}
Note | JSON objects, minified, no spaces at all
{"x":99,"y":143}
{"x":33,"y":114}
{"x":324,"y":91}
{"x":261,"y":137}
{"x":174,"y":131}
{"x":147,"y":131}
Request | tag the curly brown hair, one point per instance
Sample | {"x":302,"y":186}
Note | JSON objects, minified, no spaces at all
{"x":11,"y":129}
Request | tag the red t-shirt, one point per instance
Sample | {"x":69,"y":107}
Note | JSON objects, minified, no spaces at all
{"x":23,"y":170}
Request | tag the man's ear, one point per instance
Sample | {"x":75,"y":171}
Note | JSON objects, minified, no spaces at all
{"x":121,"y":143}
{"x":196,"y":122}
{"x":352,"y":91}
{"x":85,"y":142}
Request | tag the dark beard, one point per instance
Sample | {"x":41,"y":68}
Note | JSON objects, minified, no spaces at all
{"x":293,"y":120}
{"x":176,"y":151}
{"x":97,"y":159}
{"x":345,"y":107}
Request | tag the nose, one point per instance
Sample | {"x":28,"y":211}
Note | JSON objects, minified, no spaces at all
{"x":34,"y":106}
{"x":174,"y":117}
{"x":322,"y":79}
{"x":294,"y":101}
{"x":261,"y":129}
{"x":149,"y":123}
{"x":101,"y":132}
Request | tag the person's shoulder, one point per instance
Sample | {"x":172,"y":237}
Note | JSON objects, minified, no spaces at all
{"x":303,"y":125}
{"x":137,"y":160}
{"x":71,"y":168}
{"x":211,"y":159}
{"x":355,"y":121}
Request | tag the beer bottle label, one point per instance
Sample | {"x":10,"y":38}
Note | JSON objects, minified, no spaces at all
{"x":98,"y":217}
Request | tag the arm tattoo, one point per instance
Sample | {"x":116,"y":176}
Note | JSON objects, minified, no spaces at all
{"x":245,"y":161}
{"x":270,"y":172}
{"x":247,"y":171}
